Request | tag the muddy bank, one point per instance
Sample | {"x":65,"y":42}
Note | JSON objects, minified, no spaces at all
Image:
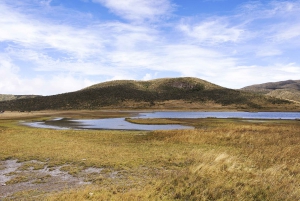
{"x":48,"y":114}
{"x":16,"y":177}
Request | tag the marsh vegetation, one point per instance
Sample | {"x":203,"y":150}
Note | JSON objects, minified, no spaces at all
{"x":222,"y":159}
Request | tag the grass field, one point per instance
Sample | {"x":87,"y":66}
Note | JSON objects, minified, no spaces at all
{"x":221,"y":159}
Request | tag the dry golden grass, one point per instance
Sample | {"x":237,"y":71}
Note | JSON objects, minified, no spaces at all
{"x":220,"y":160}
{"x":152,"y":121}
{"x":260,"y":163}
{"x":8,"y":115}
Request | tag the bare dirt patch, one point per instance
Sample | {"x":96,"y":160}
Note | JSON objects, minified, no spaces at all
{"x":38,"y":176}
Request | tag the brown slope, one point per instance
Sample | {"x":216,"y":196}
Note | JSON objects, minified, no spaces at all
{"x":158,"y":84}
{"x":289,"y":89}
{"x":6,"y":97}
{"x":271,"y":86}
{"x":169,"y":93}
{"x":292,"y":95}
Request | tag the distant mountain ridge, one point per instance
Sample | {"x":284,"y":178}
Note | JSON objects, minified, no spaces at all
{"x":156,"y":84}
{"x":6,"y":97}
{"x":167,"y":93}
{"x":289,"y":89}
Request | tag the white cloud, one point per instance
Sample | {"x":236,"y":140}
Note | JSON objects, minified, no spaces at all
{"x":45,"y":2}
{"x":278,"y":20}
{"x":287,"y":32}
{"x":233,"y":51}
{"x":212,"y":31}
{"x":191,"y":60}
{"x":8,"y":75}
{"x":148,"y":76}
{"x":240,"y":76}
{"x":268,"y":52}
{"x":138,"y":10}
{"x":25,"y":32}
{"x":253,"y":10}
{"x":122,"y":77}
{"x":12,"y":81}
{"x":290,"y":69}
{"x":66,"y":83}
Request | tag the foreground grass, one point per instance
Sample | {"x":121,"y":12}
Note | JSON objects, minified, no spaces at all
{"x":220,"y":160}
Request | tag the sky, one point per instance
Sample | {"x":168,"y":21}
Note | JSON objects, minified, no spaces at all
{"x":56,"y":46}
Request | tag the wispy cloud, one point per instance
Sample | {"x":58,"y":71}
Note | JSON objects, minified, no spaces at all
{"x":25,"y":32}
{"x":138,"y":10}
{"x":212,"y":31}
{"x":8,"y":75}
{"x":272,"y":22}
{"x":248,"y":46}
{"x":243,"y":75}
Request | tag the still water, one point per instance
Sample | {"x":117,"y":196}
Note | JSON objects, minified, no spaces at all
{"x":103,"y":124}
{"x":122,"y":124}
{"x":246,"y":115}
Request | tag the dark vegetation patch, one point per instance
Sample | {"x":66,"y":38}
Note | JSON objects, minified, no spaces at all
{"x":123,"y":94}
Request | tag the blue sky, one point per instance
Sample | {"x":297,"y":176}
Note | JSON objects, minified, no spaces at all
{"x":55,"y":46}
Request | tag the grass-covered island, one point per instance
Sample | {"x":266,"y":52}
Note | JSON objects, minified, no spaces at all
{"x":221,"y":159}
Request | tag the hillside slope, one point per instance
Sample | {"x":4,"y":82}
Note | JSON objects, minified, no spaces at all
{"x":6,"y":97}
{"x":289,"y":90}
{"x":171,"y":93}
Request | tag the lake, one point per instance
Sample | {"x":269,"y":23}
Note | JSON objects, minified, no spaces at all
{"x":245,"y":115}
{"x":122,"y":124}
{"x":101,"y":124}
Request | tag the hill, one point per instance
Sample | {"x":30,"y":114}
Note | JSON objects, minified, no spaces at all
{"x":5,"y":97}
{"x":289,"y":90}
{"x":171,"y":93}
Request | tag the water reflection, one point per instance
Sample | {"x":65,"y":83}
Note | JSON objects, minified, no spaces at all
{"x":105,"y":124}
{"x":246,"y":115}
{"x":122,"y":124}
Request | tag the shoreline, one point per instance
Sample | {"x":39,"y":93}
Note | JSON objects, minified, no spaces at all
{"x":113,"y":113}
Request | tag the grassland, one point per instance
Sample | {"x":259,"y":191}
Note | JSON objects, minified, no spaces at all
{"x":221,"y":159}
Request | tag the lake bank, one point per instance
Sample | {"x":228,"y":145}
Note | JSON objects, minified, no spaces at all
{"x":105,"y":113}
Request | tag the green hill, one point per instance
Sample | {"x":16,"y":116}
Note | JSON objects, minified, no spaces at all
{"x":169,"y":93}
{"x":159,"y":84}
{"x":289,"y":90}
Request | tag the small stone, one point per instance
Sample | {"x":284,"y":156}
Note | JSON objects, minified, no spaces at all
{"x":84,"y":159}
{"x":3,"y":184}
{"x":91,"y":194}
